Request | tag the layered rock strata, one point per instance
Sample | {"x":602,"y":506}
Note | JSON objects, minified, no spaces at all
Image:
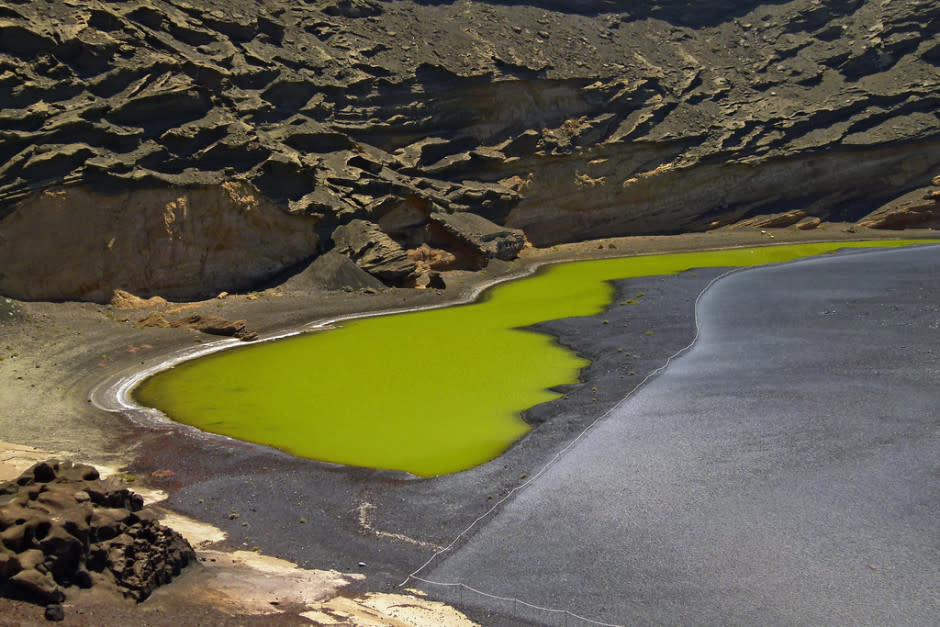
{"x":561,"y":120}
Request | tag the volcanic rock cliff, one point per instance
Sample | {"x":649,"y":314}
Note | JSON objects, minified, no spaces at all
{"x":182,"y":148}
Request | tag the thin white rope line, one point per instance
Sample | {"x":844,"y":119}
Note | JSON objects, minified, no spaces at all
{"x":669,"y":360}
{"x":515,"y":600}
{"x":588,"y":428}
{"x":566,"y":448}
{"x":660,"y":369}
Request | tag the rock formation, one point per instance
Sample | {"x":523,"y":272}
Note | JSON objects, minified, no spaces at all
{"x":63,"y":528}
{"x":213,"y":325}
{"x":919,"y":208}
{"x":72,"y":243}
{"x":562,"y":120}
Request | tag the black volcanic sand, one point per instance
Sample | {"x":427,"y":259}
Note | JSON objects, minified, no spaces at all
{"x":309,"y":512}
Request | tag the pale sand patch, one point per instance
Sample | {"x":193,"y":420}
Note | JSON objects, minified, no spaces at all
{"x":392,"y":610}
{"x":249,"y":583}
{"x":197,"y":533}
{"x":245,"y":582}
{"x":15,"y":459}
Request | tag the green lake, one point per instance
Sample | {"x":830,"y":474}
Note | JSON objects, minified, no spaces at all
{"x":430,"y":392}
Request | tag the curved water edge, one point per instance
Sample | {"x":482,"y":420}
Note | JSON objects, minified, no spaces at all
{"x":115,"y":393}
{"x":814,"y":429}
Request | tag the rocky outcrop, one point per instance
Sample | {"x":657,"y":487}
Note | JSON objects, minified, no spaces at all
{"x":375,"y":252}
{"x":564,"y":120}
{"x":917,"y":209}
{"x":775,"y":221}
{"x":484,"y":239}
{"x":213,"y":325}
{"x":808,"y":224}
{"x":63,"y":528}
{"x":72,"y":243}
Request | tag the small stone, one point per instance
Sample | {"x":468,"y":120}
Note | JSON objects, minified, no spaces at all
{"x":362,"y":564}
{"x":55,"y":612}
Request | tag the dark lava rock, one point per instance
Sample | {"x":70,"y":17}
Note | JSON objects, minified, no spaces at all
{"x":436,"y":281}
{"x":62,"y":527}
{"x":54,"y":612}
{"x":353,"y":8}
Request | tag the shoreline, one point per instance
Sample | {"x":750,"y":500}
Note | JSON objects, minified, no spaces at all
{"x":687,"y":486}
{"x":377,"y":517}
{"x":114,"y":394}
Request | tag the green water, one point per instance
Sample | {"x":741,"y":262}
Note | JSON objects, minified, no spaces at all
{"x":430,"y":392}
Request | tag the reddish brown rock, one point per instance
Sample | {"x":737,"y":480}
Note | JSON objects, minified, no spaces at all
{"x":774,"y":221}
{"x":808,"y":224}
{"x":917,"y":209}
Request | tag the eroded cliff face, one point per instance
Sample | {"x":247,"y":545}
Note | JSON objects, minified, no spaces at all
{"x":567,"y":120}
{"x":71,"y":243}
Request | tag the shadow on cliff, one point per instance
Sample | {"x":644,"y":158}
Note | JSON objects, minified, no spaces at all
{"x":679,"y":12}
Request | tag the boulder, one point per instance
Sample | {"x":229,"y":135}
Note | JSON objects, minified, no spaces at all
{"x":375,"y":252}
{"x":808,"y":224}
{"x":427,"y":258}
{"x":430,"y":280}
{"x":486,"y":239}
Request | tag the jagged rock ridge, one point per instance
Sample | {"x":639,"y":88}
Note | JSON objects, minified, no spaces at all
{"x":567,"y":120}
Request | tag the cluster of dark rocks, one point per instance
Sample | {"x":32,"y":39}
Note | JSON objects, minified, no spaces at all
{"x":63,"y":528}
